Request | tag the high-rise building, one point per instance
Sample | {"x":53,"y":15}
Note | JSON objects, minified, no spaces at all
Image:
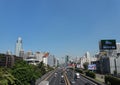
{"x":67,"y":57}
{"x":21,"y":53}
{"x":18,"y":47}
{"x":108,"y":61}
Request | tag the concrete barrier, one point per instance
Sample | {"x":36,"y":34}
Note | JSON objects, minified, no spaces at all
{"x":43,"y":77}
{"x":93,"y":80}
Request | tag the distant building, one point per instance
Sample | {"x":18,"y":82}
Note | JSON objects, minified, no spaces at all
{"x":28,"y":53}
{"x":67,"y":60}
{"x":45,"y":58}
{"x":18,"y":47}
{"x":8,"y":60}
{"x":118,"y":64}
{"x":21,"y":54}
{"x":85,"y":58}
{"x":51,"y":60}
{"x":108,"y":61}
{"x":32,"y":60}
{"x":8,"y":52}
{"x":39,"y":56}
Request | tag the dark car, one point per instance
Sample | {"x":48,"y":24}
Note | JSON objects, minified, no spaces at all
{"x":62,"y":80}
{"x":87,"y":83}
{"x":72,"y":82}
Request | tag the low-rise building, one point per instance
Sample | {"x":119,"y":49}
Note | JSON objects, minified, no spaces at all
{"x":8,"y":60}
{"x":32,"y":60}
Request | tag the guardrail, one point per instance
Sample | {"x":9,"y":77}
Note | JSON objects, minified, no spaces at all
{"x":66,"y":79}
{"x":44,"y":77}
{"x":93,"y":80}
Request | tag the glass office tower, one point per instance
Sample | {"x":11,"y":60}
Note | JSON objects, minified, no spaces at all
{"x":18,"y":47}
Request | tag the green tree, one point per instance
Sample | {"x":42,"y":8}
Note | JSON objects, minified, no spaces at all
{"x":49,"y":68}
{"x":42,"y":68}
{"x":86,"y":65}
{"x":25,"y":73}
{"x":6,"y":78}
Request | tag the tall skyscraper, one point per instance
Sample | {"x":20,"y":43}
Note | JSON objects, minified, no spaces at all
{"x":18,"y":47}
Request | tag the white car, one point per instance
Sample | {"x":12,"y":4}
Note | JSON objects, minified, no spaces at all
{"x":77,"y":75}
{"x":44,"y":83}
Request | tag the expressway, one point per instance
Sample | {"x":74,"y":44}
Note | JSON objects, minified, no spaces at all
{"x":80,"y":81}
{"x":61,"y":77}
{"x":57,"y":79}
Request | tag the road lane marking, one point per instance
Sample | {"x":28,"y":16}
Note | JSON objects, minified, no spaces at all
{"x":65,"y":80}
{"x":48,"y":76}
{"x":68,"y":83}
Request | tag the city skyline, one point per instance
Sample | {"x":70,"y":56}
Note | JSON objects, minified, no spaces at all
{"x":59,"y":27}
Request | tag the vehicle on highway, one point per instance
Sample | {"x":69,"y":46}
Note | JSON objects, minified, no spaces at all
{"x":62,"y":79}
{"x":77,"y":75}
{"x":44,"y":83}
{"x":72,"y":82}
{"x":87,"y":83}
{"x":55,"y":75}
{"x":62,"y":76}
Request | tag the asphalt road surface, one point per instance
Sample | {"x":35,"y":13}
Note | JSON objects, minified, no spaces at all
{"x":59,"y":79}
{"x":79,"y":81}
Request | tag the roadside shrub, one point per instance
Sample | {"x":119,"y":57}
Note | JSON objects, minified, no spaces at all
{"x":90,"y":74}
{"x":110,"y":80}
{"x":79,"y":70}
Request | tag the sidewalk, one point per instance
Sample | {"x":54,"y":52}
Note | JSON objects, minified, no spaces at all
{"x":100,"y":78}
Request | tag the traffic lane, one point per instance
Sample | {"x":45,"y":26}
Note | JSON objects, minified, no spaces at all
{"x":57,"y":80}
{"x":74,"y":81}
{"x":87,"y":80}
{"x":84,"y":81}
{"x":79,"y":81}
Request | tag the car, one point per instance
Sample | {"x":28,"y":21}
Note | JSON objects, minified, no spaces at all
{"x":62,"y":76}
{"x":55,"y":75}
{"x":62,"y":80}
{"x":87,"y":83}
{"x":77,"y":75}
{"x":72,"y":82}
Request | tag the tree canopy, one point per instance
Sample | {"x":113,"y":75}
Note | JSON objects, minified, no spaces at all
{"x":86,"y":65}
{"x":22,"y":73}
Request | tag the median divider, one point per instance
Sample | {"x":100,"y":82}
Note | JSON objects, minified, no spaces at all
{"x":66,"y":79}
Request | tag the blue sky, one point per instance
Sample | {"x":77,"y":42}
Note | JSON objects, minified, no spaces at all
{"x":59,"y":26}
